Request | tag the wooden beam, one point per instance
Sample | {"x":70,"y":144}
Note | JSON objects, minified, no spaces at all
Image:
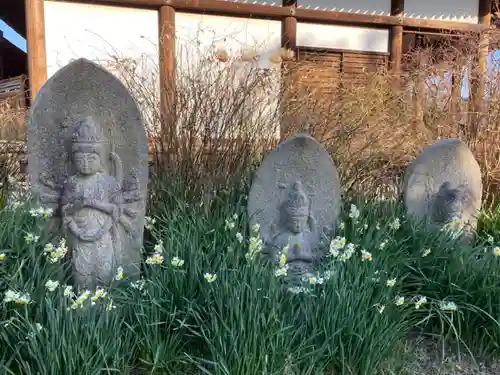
{"x":441,"y":25}
{"x":167,"y":58}
{"x":396,"y":37}
{"x":230,"y":8}
{"x":310,"y":15}
{"x":156,"y":4}
{"x":320,"y":16}
{"x":37,"y":55}
{"x":246,"y":10}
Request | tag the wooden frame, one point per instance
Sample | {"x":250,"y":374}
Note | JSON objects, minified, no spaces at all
{"x":288,"y":13}
{"x":14,"y":88}
{"x":237,"y":9}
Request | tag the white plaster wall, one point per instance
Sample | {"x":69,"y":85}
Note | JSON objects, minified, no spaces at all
{"x":342,"y":37}
{"x":99,"y":33}
{"x":451,"y":10}
{"x":379,"y":7}
{"x":199,"y":36}
{"x":103,"y":34}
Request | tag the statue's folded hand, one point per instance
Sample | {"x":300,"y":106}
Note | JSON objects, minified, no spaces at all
{"x":66,"y":221}
{"x":116,"y":213}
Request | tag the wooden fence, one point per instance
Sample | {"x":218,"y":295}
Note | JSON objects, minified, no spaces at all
{"x":13,"y":108}
{"x":13,"y":93}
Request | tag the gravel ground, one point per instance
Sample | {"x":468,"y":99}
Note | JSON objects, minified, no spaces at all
{"x":425,"y":357}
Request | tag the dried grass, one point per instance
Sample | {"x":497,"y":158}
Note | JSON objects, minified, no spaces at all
{"x":222,"y":118}
{"x":12,"y":146}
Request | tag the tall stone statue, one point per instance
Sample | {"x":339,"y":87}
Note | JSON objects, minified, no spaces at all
{"x":295,"y":198}
{"x":79,"y":171}
{"x":443,"y":185}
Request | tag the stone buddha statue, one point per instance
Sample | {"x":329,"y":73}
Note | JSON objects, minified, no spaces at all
{"x":296,"y":229}
{"x":294,"y":199}
{"x":88,"y":162}
{"x":454,"y":204}
{"x":92,"y":208}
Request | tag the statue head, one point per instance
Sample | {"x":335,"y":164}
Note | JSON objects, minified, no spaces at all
{"x":294,"y":211}
{"x":452,"y":202}
{"x":87,"y":147}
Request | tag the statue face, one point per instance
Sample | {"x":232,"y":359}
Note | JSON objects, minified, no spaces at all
{"x":87,"y":163}
{"x":296,"y":223}
{"x":451,"y":202}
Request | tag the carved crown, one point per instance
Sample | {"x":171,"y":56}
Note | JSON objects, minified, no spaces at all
{"x":88,"y":131}
{"x":296,"y":202}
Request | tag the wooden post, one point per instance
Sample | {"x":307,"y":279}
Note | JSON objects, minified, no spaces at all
{"x":397,"y":9}
{"x":37,"y":55}
{"x":1,"y":55}
{"x":484,"y":18}
{"x":288,"y":41}
{"x":168,"y":135}
{"x":167,"y":56}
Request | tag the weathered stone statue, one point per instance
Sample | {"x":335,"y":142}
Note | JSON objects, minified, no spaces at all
{"x":295,"y":228}
{"x":295,"y":198}
{"x":443,"y":186}
{"x":79,"y":172}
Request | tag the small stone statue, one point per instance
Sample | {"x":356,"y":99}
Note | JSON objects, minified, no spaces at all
{"x":454,"y":208}
{"x":94,"y":211}
{"x":296,"y":229}
{"x":280,"y":201}
{"x":442,"y":187}
{"x":451,"y":202}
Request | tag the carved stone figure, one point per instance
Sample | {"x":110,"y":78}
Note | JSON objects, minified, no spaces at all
{"x":295,"y":198}
{"x":444,"y":185}
{"x":78,"y":171}
{"x":295,"y":228}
